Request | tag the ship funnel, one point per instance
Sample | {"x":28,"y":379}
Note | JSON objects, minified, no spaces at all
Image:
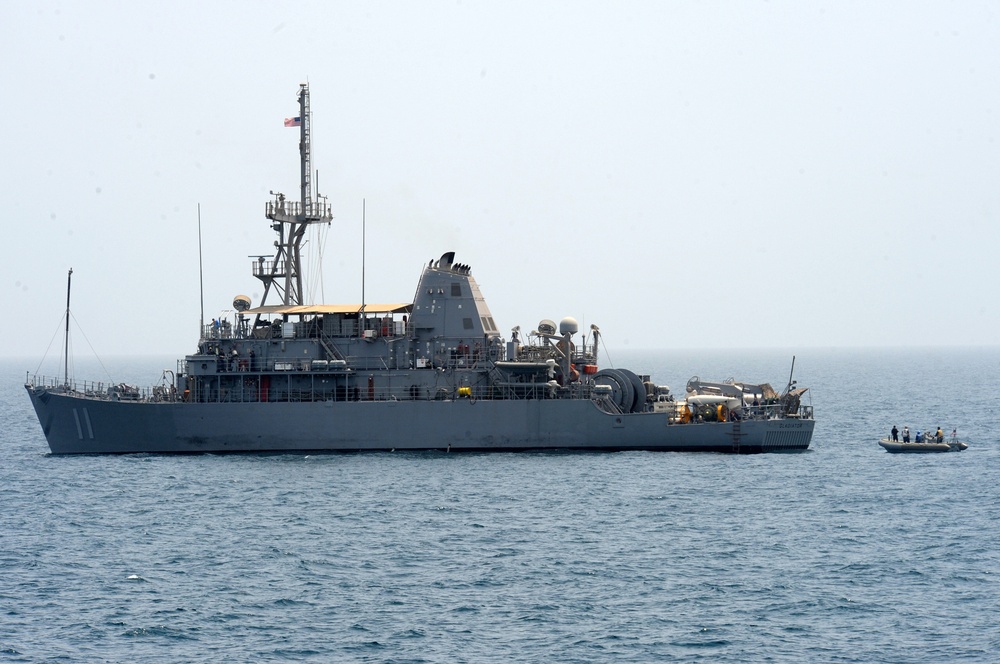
{"x":447,"y":259}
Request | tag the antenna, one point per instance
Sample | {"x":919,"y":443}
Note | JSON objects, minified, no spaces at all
{"x":790,"y":381}
{"x":201,"y":278}
{"x":69,"y":283}
{"x":362,"y":257}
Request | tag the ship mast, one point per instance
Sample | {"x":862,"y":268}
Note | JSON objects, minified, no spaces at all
{"x":291,"y":219}
{"x":69,"y":283}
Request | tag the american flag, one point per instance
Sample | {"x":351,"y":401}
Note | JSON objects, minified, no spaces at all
{"x":293,"y":122}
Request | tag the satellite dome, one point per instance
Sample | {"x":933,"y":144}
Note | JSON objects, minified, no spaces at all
{"x":568,"y":325}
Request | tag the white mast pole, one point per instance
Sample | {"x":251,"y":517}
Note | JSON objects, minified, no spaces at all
{"x":201,"y":278}
{"x":69,"y":283}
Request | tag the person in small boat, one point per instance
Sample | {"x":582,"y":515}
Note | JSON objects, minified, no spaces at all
{"x":919,"y":438}
{"x":906,"y":434}
{"x":895,"y":434}
{"x":940,"y":435}
{"x":954,"y":435}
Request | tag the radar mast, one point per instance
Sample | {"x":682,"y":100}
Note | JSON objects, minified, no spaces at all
{"x":290,"y":219}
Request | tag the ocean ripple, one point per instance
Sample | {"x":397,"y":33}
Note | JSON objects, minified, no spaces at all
{"x":844,"y":553}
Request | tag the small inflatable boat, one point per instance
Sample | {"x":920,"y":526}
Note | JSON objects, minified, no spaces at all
{"x":946,"y":446}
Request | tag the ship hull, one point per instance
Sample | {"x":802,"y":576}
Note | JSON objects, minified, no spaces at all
{"x":78,"y":425}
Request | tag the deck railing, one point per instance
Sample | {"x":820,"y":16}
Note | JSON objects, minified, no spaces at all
{"x":277,"y":390}
{"x":286,"y":208}
{"x":104,"y":391}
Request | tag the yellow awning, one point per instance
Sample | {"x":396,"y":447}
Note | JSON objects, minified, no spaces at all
{"x":318,"y":309}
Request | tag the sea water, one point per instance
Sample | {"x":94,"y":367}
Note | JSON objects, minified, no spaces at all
{"x":843,"y":553}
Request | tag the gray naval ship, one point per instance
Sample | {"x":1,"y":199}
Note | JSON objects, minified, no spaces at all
{"x":432,"y":374}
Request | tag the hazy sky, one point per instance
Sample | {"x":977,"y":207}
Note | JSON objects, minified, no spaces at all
{"x":683,"y":174}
